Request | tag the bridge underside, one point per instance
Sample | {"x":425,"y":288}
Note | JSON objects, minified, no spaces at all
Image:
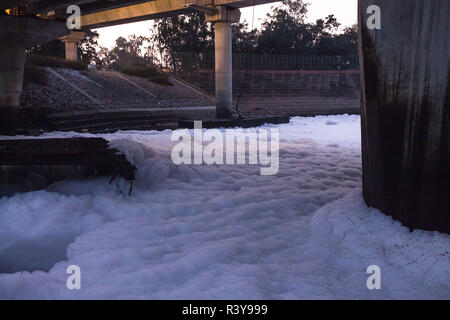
{"x":103,"y":13}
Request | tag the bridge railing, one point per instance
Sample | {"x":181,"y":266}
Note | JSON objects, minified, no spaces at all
{"x":195,"y":61}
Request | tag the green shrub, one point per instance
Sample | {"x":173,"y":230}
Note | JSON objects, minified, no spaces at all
{"x":148,"y":72}
{"x":55,"y":62}
{"x":138,"y":70}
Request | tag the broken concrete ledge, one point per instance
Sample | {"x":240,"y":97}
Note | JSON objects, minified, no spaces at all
{"x":243,"y":122}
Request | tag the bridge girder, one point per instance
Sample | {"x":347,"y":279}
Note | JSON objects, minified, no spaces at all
{"x":128,"y":8}
{"x":157,"y":9}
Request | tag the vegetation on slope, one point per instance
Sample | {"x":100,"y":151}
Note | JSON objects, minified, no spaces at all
{"x":55,"y":62}
{"x":149,"y":72}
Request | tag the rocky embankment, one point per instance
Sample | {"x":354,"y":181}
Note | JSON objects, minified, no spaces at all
{"x":64,"y":90}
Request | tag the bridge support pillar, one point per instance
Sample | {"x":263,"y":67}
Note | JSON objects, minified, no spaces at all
{"x":405,"y":72}
{"x":16,"y":35}
{"x":223,"y":59}
{"x":71,"y":42}
{"x":11,"y":75}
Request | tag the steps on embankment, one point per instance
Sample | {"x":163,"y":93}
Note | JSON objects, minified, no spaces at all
{"x":70,"y":90}
{"x":130,"y":119}
{"x":287,"y":92}
{"x":106,"y":101}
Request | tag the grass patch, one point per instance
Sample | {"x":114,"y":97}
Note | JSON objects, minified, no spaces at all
{"x":148,"y":72}
{"x":55,"y":62}
{"x":143,"y":71}
{"x":161,"y":79}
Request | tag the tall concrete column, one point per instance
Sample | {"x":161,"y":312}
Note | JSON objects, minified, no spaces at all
{"x":71,"y":42}
{"x":16,"y":35}
{"x":11,"y":75}
{"x":223,"y":59}
{"x":405,"y":111}
{"x":223,"y":70}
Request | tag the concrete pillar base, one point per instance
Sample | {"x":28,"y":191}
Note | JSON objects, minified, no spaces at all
{"x":224,"y":111}
{"x":9,"y":120}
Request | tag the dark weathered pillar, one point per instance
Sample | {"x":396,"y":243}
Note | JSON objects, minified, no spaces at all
{"x":406,"y":111}
{"x":16,"y":35}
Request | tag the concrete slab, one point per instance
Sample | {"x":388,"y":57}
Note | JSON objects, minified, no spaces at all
{"x":244,"y":122}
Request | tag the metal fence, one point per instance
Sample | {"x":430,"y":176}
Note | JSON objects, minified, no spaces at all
{"x":195,"y":61}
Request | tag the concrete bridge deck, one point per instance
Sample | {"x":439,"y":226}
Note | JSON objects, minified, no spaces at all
{"x":103,"y":13}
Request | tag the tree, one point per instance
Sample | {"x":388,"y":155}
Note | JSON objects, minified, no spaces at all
{"x":126,"y":52}
{"x":184,"y":33}
{"x":284,"y":31}
{"x":104,"y":58}
{"x":188,"y":40}
{"x":87,"y":48}
{"x":347,"y":42}
{"x":53,"y":48}
{"x":324,"y":33}
{"x":244,"y":40}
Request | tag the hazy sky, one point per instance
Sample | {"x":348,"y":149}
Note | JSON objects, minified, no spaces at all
{"x":344,"y":10}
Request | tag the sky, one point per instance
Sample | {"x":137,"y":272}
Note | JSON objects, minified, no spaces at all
{"x":344,"y":10}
